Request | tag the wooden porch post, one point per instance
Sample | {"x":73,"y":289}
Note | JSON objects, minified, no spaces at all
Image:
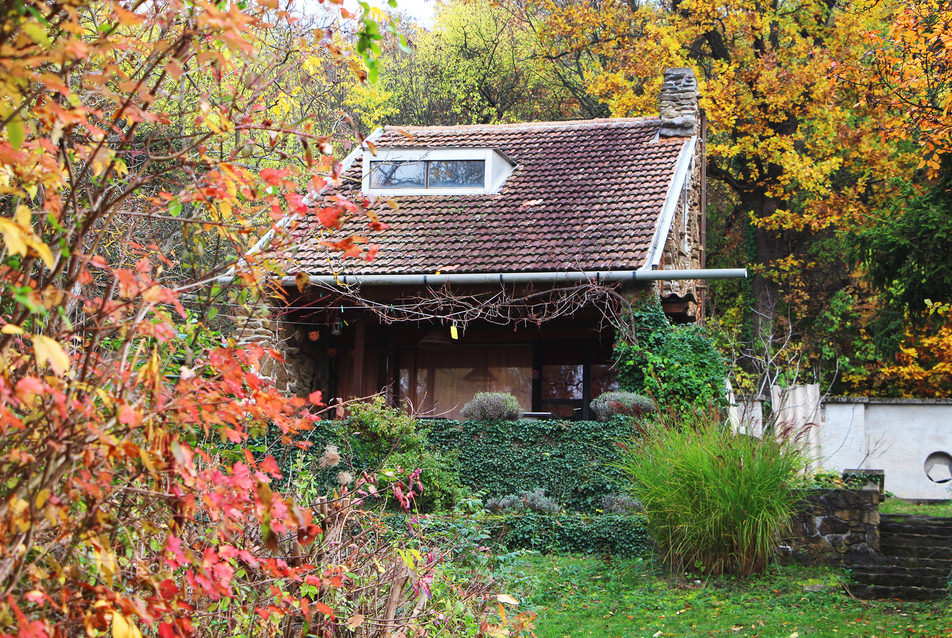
{"x":359,"y":350}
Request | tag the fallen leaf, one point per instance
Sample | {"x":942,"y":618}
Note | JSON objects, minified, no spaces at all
{"x":355,"y":621}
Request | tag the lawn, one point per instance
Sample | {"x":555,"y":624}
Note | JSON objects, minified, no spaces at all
{"x":899,"y":506}
{"x":581,"y":597}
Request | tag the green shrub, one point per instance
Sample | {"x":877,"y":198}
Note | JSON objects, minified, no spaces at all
{"x":380,"y":437}
{"x":678,"y":366}
{"x":606,"y":534}
{"x":570,"y":460}
{"x":715,"y":501}
{"x":492,"y":406}
{"x":621,"y":403}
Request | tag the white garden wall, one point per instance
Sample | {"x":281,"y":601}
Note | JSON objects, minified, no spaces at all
{"x":909,"y":439}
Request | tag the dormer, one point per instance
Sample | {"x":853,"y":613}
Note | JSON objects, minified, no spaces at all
{"x":435,"y":171}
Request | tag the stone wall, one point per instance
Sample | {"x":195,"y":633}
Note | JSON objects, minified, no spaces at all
{"x":845,"y":523}
{"x":299,"y":373}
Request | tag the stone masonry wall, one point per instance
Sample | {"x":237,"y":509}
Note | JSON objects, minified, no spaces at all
{"x":845,"y":521}
{"x":298,"y":373}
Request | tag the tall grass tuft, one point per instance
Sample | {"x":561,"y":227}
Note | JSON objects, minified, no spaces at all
{"x":716,"y":501}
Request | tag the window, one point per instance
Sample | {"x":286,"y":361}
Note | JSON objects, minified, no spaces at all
{"x":447,"y":171}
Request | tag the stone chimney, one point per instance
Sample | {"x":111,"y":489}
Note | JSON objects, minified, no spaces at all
{"x":680,"y":114}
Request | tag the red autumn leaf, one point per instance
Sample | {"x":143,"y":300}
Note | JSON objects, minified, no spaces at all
{"x":296,"y":203}
{"x":316,"y":398}
{"x":371,"y":253}
{"x":270,"y":466}
{"x":166,"y":630}
{"x":27,"y":387}
{"x":129,"y":416}
{"x":168,"y":589}
{"x":324,"y":609}
{"x":274,"y":177}
{"x":329,"y":217}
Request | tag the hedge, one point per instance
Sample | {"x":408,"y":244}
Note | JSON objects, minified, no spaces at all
{"x":568,"y":459}
{"x":613,"y":534}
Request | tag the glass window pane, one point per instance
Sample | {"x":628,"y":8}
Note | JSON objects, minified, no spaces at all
{"x":456,"y":173}
{"x":562,"y":381}
{"x":441,"y":382}
{"x":603,"y":380}
{"x":397,"y":174}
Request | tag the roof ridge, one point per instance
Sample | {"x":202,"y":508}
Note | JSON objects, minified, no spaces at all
{"x":516,"y":125}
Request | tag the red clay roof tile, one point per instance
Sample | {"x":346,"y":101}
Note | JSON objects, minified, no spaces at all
{"x":584,"y":196}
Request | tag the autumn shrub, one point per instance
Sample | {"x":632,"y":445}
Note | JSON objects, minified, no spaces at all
{"x":492,"y":406}
{"x":391,"y":443}
{"x":144,"y":147}
{"x":715,"y":501}
{"x":621,"y":403}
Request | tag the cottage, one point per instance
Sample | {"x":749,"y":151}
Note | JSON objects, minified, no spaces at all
{"x":511,"y":256}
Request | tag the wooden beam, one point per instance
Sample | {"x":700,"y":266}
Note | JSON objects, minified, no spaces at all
{"x":359,"y":353}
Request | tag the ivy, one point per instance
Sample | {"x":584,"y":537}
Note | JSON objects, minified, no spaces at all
{"x":678,"y":366}
{"x":613,"y":534}
{"x":567,"y":459}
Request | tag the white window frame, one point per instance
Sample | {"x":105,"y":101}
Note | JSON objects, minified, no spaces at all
{"x":498,"y":169}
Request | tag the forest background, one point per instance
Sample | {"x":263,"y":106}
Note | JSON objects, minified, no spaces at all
{"x":829,"y":134}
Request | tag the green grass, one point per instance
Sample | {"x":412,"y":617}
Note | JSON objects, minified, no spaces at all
{"x":898,"y":506}
{"x":585,"y":597}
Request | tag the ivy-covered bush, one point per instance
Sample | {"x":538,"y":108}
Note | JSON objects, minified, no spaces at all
{"x":570,"y":460}
{"x":606,"y":534}
{"x":524,"y":501}
{"x":621,"y":403}
{"x":379,"y":436}
{"x":678,"y":366}
{"x":492,"y":406}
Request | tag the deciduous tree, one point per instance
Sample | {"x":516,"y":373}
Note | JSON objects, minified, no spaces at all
{"x":125,"y":124}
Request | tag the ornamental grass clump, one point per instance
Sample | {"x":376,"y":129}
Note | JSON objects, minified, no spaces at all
{"x":492,"y":406}
{"x":716,"y":501}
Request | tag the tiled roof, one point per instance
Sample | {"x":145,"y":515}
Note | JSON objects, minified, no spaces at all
{"x":584,"y":196}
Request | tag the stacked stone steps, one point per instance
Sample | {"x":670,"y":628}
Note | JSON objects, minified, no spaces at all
{"x":915,"y":561}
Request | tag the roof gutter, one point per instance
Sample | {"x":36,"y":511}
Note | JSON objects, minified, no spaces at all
{"x":572,"y":277}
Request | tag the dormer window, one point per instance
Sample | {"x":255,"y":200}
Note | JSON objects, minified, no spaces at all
{"x":442,"y":171}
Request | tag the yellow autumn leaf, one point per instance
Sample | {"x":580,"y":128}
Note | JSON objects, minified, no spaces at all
{"x":19,"y":237}
{"x":13,"y":236}
{"x":49,"y":351}
{"x":124,"y":628}
{"x":10,"y":329}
